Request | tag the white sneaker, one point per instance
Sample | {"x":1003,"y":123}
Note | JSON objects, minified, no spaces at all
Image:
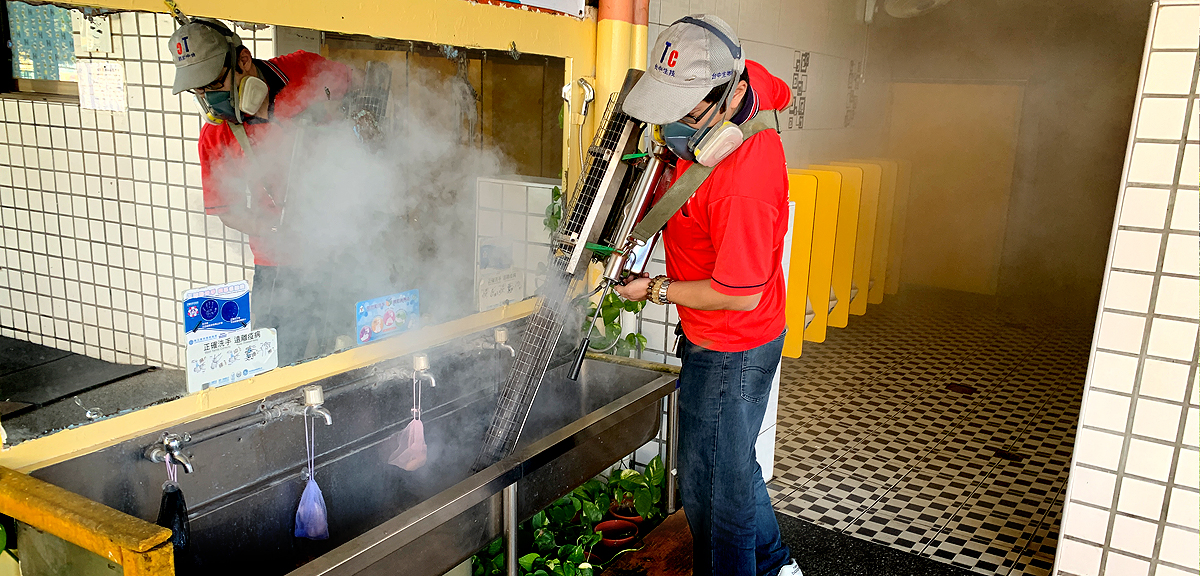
{"x":791,"y":569}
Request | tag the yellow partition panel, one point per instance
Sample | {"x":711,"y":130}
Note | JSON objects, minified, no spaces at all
{"x":882,"y":254}
{"x":899,"y":219}
{"x":864,"y":246}
{"x":820,"y":266}
{"x":802,"y":190}
{"x":847,"y":236}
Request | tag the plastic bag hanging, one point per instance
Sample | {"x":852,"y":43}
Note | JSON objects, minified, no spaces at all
{"x":172,"y":512}
{"x":312,"y":519}
{"x":411,"y":451}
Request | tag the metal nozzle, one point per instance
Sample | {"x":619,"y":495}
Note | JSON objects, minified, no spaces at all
{"x":314,"y":395}
{"x":420,"y":362}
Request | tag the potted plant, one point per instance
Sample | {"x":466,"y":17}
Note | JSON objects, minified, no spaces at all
{"x":563,"y":535}
{"x":635,"y":496}
{"x":616,"y":533}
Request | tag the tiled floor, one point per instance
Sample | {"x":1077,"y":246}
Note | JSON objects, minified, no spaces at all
{"x":938,"y":423}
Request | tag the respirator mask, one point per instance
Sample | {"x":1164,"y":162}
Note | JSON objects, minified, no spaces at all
{"x":244,"y":97}
{"x":706,"y":146}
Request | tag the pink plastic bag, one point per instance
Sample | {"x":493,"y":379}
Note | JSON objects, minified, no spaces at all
{"x":410,"y":452}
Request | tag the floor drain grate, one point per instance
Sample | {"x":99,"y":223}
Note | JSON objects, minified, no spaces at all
{"x":961,"y":389}
{"x":1007,"y":455}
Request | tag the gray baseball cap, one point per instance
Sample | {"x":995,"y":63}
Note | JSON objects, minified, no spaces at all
{"x":690,"y":58}
{"x":199,"y":50}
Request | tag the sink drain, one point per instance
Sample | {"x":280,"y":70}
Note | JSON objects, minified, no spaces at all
{"x":961,"y":389}
{"x":1008,"y":455}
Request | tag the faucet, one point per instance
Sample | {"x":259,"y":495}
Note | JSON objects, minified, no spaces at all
{"x":421,"y":369}
{"x":501,"y":336}
{"x":170,"y":447}
{"x":314,"y":400}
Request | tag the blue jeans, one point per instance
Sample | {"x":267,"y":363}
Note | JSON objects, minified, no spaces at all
{"x":722,"y":402}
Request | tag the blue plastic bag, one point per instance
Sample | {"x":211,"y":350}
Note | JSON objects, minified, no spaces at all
{"x":312,"y":521}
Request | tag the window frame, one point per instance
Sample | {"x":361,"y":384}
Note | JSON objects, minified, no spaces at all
{"x":21,"y":88}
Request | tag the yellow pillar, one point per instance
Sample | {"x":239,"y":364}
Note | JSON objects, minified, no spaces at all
{"x":613,"y":32}
{"x":641,"y":29}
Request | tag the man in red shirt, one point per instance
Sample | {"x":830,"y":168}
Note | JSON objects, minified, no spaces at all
{"x":248,"y":103}
{"x":724,"y":274}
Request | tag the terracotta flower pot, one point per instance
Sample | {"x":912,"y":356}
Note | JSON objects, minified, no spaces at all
{"x":616,"y":533}
{"x":627,"y":513}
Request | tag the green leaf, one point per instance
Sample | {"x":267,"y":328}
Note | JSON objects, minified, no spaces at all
{"x":543,"y":539}
{"x":575,"y":554}
{"x":569,"y":569}
{"x":594,"y":487}
{"x":495,"y":547}
{"x":655,"y":471}
{"x":592,"y":512}
{"x":539,"y":519}
{"x":610,"y":315}
{"x":643,"y":501}
{"x":498,"y":562}
{"x":527,"y":560}
{"x":555,"y":194}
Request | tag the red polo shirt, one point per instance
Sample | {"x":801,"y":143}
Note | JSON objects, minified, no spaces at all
{"x":732,"y":230}
{"x":296,"y":81}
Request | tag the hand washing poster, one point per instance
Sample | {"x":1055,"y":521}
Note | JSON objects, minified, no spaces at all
{"x":381,"y":317}
{"x":218,"y":359}
{"x":224,"y":308}
{"x":221,"y":347}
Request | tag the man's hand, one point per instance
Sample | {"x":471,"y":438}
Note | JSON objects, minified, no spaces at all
{"x":634,"y":288}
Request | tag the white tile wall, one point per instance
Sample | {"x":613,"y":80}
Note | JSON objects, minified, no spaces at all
{"x":1132,"y":499}
{"x":101,"y":213}
{"x":509,"y":212}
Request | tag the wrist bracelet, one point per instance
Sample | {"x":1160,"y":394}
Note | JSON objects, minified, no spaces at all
{"x":653,"y":288}
{"x":662,"y":291}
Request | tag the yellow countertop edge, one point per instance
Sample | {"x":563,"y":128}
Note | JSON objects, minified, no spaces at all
{"x":66,"y":444}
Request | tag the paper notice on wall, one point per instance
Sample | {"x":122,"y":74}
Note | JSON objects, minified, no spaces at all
{"x":824,"y":92}
{"x":497,"y":288}
{"x":217,"y":360}
{"x":102,"y":85}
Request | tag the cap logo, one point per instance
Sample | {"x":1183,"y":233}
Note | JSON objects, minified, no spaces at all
{"x":671,"y":57}
{"x":182,"y":50}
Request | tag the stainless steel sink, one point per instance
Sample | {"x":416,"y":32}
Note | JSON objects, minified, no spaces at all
{"x":383,"y":520}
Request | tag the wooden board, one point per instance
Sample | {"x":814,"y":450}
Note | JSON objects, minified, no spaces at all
{"x":850,"y":194}
{"x":802,"y":191}
{"x":666,"y":551}
{"x":821,"y":259}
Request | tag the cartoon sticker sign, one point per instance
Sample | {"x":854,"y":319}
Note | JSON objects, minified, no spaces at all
{"x":382,"y":317}
{"x":223,"y":308}
{"x":218,"y":359}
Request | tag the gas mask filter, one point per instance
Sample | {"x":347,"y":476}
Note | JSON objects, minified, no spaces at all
{"x":707,"y":146}
{"x":250,"y":93}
